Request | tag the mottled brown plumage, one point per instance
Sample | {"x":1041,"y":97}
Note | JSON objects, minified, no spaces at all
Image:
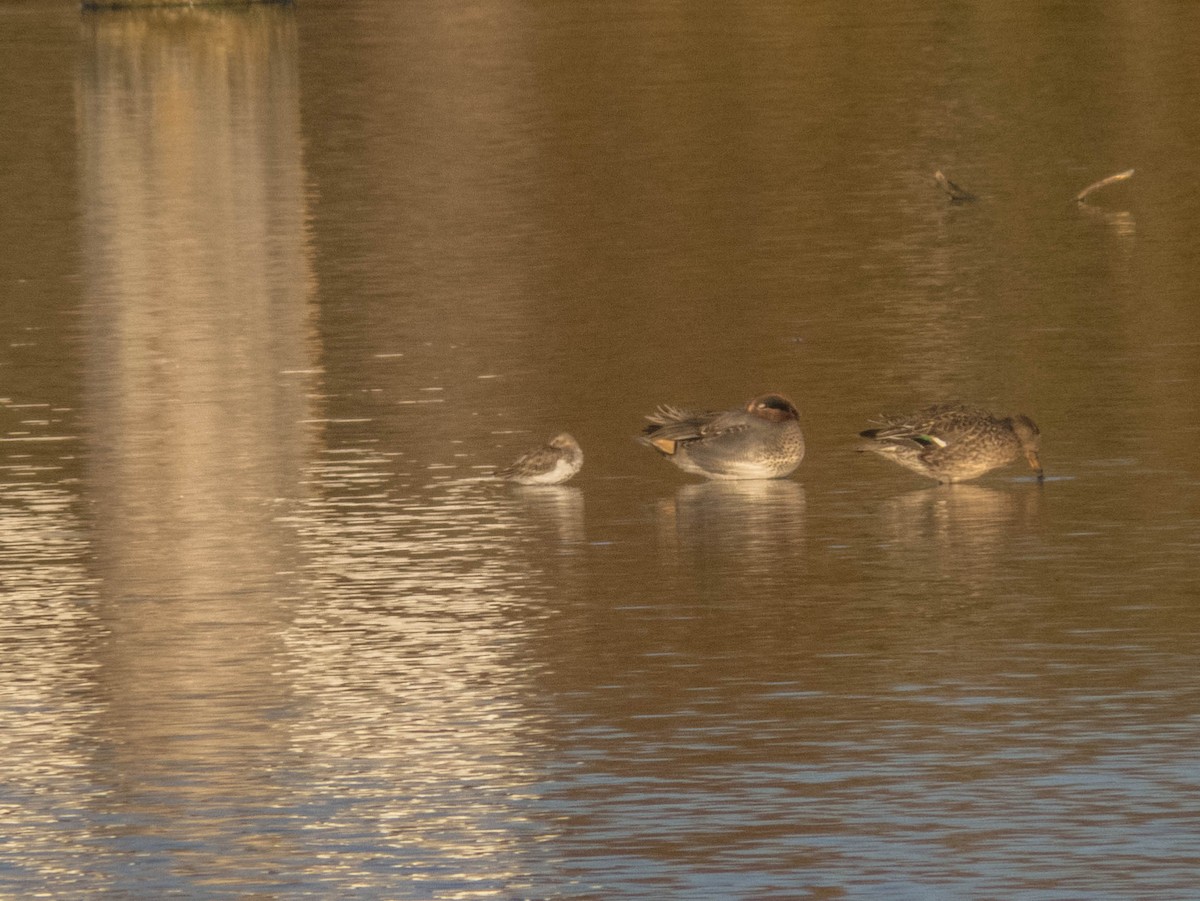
{"x":553,"y":463}
{"x":953,"y":443}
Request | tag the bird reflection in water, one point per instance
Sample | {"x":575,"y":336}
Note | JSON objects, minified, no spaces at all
{"x":964,"y":532}
{"x":1121,"y":222}
{"x":551,"y":511}
{"x":731,"y":535}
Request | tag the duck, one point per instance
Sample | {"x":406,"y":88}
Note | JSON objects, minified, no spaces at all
{"x":954,"y":442}
{"x":555,"y":462}
{"x":760,"y":440}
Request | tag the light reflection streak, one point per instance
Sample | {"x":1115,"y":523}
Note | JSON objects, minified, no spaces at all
{"x":410,"y":660}
{"x":198,"y":382}
{"x":47,"y":629}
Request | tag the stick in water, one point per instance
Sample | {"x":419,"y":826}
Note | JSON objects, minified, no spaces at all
{"x":1103,"y":183}
{"x":957,"y":194}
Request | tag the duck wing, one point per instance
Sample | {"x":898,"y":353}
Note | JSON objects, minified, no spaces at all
{"x":674,"y":424}
{"x":931,"y":427}
{"x":938,"y":426}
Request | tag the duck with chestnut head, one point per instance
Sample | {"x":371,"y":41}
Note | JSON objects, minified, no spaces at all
{"x":758,"y":440}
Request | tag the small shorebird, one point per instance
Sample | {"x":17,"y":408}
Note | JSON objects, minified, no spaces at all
{"x":553,"y":463}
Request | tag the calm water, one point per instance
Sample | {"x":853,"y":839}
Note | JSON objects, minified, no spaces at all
{"x":281,"y":286}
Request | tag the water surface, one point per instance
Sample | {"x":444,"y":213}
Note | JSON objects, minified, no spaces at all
{"x":284,"y":284}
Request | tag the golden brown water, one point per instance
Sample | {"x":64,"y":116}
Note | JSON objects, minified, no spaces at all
{"x":282,"y":285}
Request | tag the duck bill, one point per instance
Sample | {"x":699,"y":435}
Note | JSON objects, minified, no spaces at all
{"x":1035,"y":464}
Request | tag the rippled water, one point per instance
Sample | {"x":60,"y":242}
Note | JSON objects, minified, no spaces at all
{"x":282,"y":286}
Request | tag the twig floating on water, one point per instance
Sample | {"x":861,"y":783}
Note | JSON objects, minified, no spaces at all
{"x":1103,"y":183}
{"x":957,"y":194}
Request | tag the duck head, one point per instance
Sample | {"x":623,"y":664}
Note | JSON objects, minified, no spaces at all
{"x":1030,"y":437}
{"x":773,"y":408}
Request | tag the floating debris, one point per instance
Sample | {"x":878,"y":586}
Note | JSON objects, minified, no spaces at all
{"x":957,"y":194}
{"x":1103,"y":183}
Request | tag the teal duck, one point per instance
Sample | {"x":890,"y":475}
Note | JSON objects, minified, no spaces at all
{"x":760,"y":440}
{"x":953,"y":443}
{"x":556,"y":461}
